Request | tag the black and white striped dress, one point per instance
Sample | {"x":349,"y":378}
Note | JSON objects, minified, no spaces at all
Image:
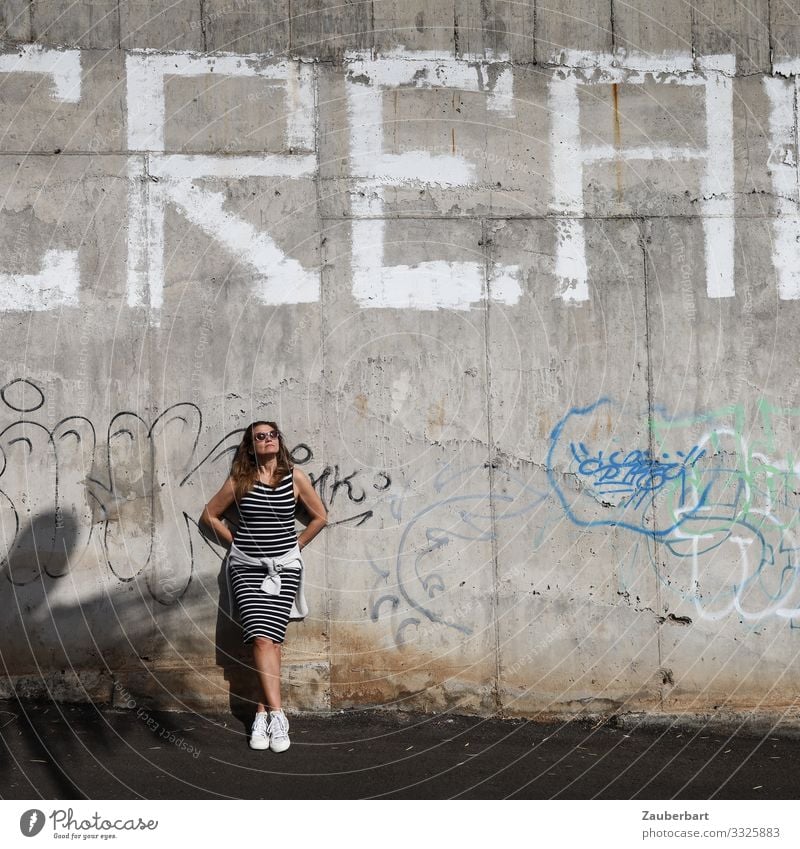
{"x":266,"y":529}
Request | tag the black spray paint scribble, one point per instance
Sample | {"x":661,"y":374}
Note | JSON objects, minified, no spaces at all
{"x":62,"y":494}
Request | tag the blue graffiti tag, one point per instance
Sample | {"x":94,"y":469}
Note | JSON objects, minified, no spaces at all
{"x":735,"y":544}
{"x":635,"y":473}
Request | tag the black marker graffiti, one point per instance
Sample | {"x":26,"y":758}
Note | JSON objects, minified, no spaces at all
{"x":61,"y":490}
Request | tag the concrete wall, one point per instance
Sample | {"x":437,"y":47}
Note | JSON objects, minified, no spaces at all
{"x":519,"y":281}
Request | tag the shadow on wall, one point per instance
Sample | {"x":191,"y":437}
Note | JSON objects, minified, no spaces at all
{"x":45,"y":546}
{"x":82,"y":650}
{"x":103,"y":521}
{"x":235,"y":659}
{"x":231,"y":655}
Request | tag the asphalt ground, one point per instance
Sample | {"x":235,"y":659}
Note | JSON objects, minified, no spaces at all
{"x":63,"y":752}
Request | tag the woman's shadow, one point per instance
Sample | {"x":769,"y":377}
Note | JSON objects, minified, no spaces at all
{"x":231,"y":655}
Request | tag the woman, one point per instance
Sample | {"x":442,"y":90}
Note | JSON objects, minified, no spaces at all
{"x":264,"y":563}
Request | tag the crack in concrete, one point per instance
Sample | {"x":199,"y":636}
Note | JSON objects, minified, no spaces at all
{"x":732,"y":195}
{"x":203,"y":34}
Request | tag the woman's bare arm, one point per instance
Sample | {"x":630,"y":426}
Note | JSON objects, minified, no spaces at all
{"x":313,"y":503}
{"x":214,"y":510}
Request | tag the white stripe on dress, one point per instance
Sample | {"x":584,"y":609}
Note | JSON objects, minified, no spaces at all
{"x":266,"y":519}
{"x":266,"y":529}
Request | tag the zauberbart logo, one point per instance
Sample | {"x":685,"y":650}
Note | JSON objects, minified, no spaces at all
{"x":31,"y":822}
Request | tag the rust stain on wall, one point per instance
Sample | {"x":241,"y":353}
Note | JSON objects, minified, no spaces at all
{"x":436,"y":416}
{"x":363,"y":671}
{"x":544,"y":425}
{"x":361,"y":403}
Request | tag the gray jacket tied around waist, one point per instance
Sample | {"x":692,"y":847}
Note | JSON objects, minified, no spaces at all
{"x":272,"y":582}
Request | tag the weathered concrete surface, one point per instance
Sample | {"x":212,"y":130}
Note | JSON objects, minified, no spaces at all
{"x":565,"y":591}
{"x":177,"y":25}
{"x":561,"y":28}
{"x":90,"y":23}
{"x":246,"y":27}
{"x":519,"y":281}
{"x":15,"y":23}
{"x":721,"y":27}
{"x":640,"y":29}
{"x":784,"y":28}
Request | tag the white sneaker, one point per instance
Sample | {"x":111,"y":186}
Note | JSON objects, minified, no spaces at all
{"x":259,"y":735}
{"x":278,"y":731}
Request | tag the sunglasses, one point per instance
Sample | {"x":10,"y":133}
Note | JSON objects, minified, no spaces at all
{"x":269,"y":434}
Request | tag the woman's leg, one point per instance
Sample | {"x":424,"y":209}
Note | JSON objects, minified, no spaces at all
{"x":267,"y":660}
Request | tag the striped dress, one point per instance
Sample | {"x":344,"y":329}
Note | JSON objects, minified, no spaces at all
{"x":266,"y":529}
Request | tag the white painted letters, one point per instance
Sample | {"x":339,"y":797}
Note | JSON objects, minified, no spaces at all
{"x":157,"y":177}
{"x":569,"y":159}
{"x":424,"y":285}
{"x":782,"y":167}
{"x":57,"y":281}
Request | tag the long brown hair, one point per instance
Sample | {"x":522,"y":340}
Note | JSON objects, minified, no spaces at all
{"x":244,"y":469}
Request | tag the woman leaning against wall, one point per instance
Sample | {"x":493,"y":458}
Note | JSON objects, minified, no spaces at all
{"x":264,"y":563}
